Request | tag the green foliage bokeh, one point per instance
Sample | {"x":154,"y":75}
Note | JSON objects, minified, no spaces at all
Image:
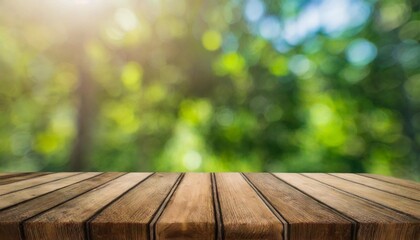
{"x":227,"y":85}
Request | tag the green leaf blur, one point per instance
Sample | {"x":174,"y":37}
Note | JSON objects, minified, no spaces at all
{"x":227,"y":85}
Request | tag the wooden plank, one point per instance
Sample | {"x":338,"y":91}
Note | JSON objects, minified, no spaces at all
{"x":375,"y":222}
{"x":11,"y":174}
{"x":67,"y":221}
{"x":19,"y":177}
{"x":244,"y":214}
{"x":397,"y":181}
{"x":407,"y":206}
{"x":381,"y":185}
{"x":11,"y":218}
{"x":190,"y":213}
{"x":16,"y":186}
{"x":129,"y":217}
{"x":191,"y":206}
{"x":13,"y":198}
{"x":306,"y":218}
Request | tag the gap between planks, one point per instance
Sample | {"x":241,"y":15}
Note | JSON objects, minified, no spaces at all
{"x":364,"y":198}
{"x":21,"y":223}
{"x":343,"y":202}
{"x":161,"y":208}
{"x":20,"y":177}
{"x":407,"y":194}
{"x":37,"y":186}
{"x":355,"y":224}
{"x":20,"y":188}
{"x":286,"y":225}
{"x":396,"y":181}
{"x":87,"y":222}
{"x":325,"y":211}
{"x":219,"y":232}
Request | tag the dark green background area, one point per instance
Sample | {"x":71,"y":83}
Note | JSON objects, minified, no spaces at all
{"x":183,"y":85}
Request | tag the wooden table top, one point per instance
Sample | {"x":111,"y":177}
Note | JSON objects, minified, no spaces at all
{"x":94,"y":205}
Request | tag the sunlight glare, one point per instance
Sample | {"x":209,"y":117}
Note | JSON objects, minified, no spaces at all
{"x":126,"y":19}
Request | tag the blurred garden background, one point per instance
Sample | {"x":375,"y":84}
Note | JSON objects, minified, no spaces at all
{"x":199,"y":85}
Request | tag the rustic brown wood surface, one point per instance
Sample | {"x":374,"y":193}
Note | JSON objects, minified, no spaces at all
{"x":396,"y":181}
{"x":207,"y":206}
{"x":189,"y":213}
{"x":128,"y":218}
{"x":390,"y":200}
{"x":373,"y":221}
{"x":244,"y":214}
{"x":19,"y":185}
{"x":306,"y":218}
{"x":384,"y":186}
{"x":67,"y":221}
{"x":10,"y":178}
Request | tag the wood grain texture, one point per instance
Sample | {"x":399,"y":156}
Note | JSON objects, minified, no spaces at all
{"x":207,"y":206}
{"x":11,"y":178}
{"x":306,"y":218}
{"x":67,"y":221}
{"x":395,"y":202}
{"x":16,"y":186}
{"x":13,"y":216}
{"x":396,"y":181}
{"x":244,"y":214}
{"x":189,"y":214}
{"x":129,"y":217}
{"x":13,"y":198}
{"x":381,"y":185}
{"x":11,"y":174}
{"x":375,"y":222}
